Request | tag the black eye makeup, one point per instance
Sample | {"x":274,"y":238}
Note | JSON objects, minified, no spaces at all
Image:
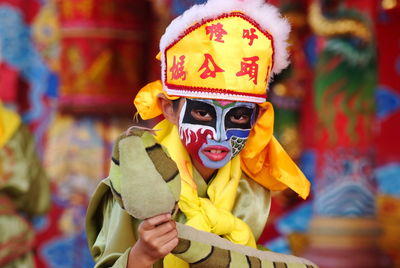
{"x":198,"y":112}
{"x":239,"y":117}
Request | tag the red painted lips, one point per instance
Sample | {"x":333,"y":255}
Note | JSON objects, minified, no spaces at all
{"x":215,"y":153}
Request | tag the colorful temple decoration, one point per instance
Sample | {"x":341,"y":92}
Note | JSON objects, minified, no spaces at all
{"x":288,"y":90}
{"x":344,"y":87}
{"x":102,"y":55}
{"x":388,"y":117}
{"x":345,"y":187}
{"x":179,"y":6}
{"x":46,"y":34}
{"x":76,"y":158}
{"x":101,"y":66}
{"x":30,"y":70}
{"x":27,"y":83}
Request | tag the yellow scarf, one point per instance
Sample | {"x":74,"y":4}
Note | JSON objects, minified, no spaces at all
{"x":9,"y":122}
{"x":211,"y":214}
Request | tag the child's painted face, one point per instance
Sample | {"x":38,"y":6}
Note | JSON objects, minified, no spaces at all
{"x":214,"y":132}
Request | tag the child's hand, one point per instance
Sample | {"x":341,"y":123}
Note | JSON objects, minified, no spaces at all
{"x":157,"y":237}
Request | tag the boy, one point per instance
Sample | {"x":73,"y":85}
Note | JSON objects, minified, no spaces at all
{"x":216,"y":139}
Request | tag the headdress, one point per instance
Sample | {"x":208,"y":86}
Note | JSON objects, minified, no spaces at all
{"x":224,"y":50}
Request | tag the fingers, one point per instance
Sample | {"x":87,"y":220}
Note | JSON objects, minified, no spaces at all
{"x":157,"y":237}
{"x":152,"y":222}
{"x":168,"y":233}
{"x":163,"y":245}
{"x":169,"y":246}
{"x":165,"y":228}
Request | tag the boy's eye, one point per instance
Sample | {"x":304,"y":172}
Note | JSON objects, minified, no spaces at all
{"x":201,"y":115}
{"x":239,"y":118}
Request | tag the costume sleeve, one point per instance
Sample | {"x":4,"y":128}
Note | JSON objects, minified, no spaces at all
{"x":252,"y":205}
{"x":111,"y":231}
{"x":25,"y":181}
{"x":36,"y":201}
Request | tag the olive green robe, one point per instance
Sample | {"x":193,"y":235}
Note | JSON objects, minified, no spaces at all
{"x":112,"y":231}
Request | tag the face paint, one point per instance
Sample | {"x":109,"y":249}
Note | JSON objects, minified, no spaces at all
{"x":214,"y":132}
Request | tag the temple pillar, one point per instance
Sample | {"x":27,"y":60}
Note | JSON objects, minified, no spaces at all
{"x":388,"y":117}
{"x":344,"y":231}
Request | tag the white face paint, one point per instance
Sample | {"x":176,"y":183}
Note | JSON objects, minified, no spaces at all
{"x":214,"y":132}
{"x":186,"y":132}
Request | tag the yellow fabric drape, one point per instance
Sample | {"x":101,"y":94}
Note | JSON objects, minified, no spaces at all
{"x":211,"y":214}
{"x":263,"y":159}
{"x":9,"y":122}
